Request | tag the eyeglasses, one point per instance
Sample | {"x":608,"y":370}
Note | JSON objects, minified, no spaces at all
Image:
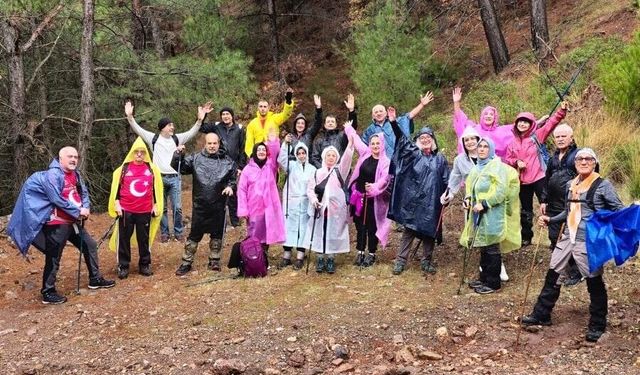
{"x":140,"y":152}
{"x":587,"y":159}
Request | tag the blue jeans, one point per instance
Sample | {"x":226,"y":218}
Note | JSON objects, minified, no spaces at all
{"x":172,"y":191}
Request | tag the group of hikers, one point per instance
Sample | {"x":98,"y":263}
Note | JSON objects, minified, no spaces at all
{"x":400,"y":176}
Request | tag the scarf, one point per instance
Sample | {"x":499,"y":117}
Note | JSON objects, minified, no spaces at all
{"x":575,"y":207}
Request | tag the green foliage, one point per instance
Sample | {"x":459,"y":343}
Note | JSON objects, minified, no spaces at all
{"x":619,"y":76}
{"x":505,"y":95}
{"x":390,"y":61}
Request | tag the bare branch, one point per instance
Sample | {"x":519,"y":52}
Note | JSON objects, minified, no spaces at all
{"x":118,"y":118}
{"x":148,"y":72}
{"x":42,"y":26}
{"x":44,"y":61}
{"x":64,"y":118}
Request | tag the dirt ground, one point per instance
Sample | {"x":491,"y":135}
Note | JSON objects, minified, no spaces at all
{"x":355,"y":321}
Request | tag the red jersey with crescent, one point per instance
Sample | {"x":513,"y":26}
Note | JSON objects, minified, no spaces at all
{"x":136,"y":189}
{"x":69,"y":193}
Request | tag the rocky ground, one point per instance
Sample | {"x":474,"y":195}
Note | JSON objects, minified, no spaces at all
{"x":356,"y":321}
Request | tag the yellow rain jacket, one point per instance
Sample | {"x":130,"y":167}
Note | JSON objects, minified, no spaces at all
{"x":499,"y":186}
{"x":157,"y":191}
{"x":256,"y":133}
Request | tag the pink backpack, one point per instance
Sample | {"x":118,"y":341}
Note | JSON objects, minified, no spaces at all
{"x":254,"y":263}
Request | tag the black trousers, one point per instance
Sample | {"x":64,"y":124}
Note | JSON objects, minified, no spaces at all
{"x":56,"y":237}
{"x":126,"y":225}
{"x":232,"y":203}
{"x":366,"y":229}
{"x":526,"y":210}
{"x":211,"y":221}
{"x":490,"y":261}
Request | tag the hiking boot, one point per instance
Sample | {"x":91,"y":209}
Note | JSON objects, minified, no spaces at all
{"x":145,"y":270}
{"x":359,"y":259}
{"x":284,"y":263}
{"x":369,"y":261}
{"x":320,"y":265}
{"x":427,"y":267}
{"x":123,"y":273}
{"x":214,"y":265}
{"x":180,"y":237}
{"x":53,"y":298}
{"x":475,"y":284}
{"x":164,"y":238}
{"x":483,"y":289}
{"x":531,"y":320}
{"x":331,"y":265}
{"x":299,"y":263}
{"x":398,"y":268}
{"x":101,"y":283}
{"x":593,"y":335}
{"x":183,"y":269}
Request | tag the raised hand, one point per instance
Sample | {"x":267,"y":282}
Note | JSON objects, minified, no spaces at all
{"x":203,"y":110}
{"x":272,"y":135}
{"x":128,"y":108}
{"x":564,"y":105}
{"x":350,"y":102}
{"x":317,"y":101}
{"x":288,"y":138}
{"x":457,"y":94}
{"x":288,"y":95}
{"x":427,"y":98}
{"x":391,"y":113}
{"x":348,"y":124}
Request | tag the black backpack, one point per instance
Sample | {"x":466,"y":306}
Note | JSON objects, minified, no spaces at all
{"x":320,"y":187}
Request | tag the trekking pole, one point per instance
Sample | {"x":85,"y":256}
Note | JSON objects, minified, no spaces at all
{"x":364,"y":225}
{"x":80,"y":235}
{"x":286,"y":203}
{"x":313,"y":229}
{"x":224,"y":222}
{"x":526,"y":289}
{"x":571,"y":83}
{"x":476,"y":227}
{"x":107,"y":233}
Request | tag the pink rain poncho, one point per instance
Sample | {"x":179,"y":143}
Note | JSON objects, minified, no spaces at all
{"x":501,"y":135}
{"x":258,"y":198}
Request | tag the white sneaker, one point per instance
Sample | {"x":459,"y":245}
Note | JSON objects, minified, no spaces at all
{"x":503,"y":273}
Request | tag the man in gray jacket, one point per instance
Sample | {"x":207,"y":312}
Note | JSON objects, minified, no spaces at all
{"x":587,"y":193}
{"x":163,"y":145}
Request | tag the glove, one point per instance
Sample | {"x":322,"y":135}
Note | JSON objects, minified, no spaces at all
{"x":445,"y":198}
{"x":288,"y":97}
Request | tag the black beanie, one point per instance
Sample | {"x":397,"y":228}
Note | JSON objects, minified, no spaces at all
{"x":164,"y":122}
{"x":228,"y":109}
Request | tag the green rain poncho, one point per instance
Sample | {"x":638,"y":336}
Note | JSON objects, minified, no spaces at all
{"x":497,"y":186}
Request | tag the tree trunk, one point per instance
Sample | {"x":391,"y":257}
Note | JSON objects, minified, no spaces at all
{"x":539,"y":28}
{"x":275,"y":41}
{"x":495,"y":39}
{"x":87,"y":100}
{"x":137,"y":26}
{"x":156,"y":32}
{"x":17,"y":99}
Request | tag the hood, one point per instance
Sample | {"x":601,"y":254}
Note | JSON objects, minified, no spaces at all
{"x":254,"y":156}
{"x":492,"y":152}
{"x":55,"y":163}
{"x":469,"y":131}
{"x":429,"y":131}
{"x":300,"y":145}
{"x":496,"y":118}
{"x":380,"y":136}
{"x":137,"y":144}
{"x":528,"y":116}
{"x":324,"y":154}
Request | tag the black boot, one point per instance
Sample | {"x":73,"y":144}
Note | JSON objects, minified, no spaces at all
{"x":597,"y":308}
{"x":547,"y":299}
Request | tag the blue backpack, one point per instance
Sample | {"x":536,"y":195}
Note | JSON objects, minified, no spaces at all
{"x":543,"y":153}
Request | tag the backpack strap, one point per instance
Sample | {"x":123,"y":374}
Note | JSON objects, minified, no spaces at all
{"x":590,"y":195}
{"x":155,"y":139}
{"x":153,"y":181}
{"x":125,"y":168}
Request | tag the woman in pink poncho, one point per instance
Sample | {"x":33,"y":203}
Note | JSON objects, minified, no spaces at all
{"x":369,"y":198}
{"x":489,"y":125}
{"x":258,"y":198}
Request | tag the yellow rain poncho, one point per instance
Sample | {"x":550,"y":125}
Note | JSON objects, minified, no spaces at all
{"x":498,"y":185}
{"x":157,"y":191}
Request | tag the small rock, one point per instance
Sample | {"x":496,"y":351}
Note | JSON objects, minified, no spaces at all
{"x":337,"y":361}
{"x":442,"y":332}
{"x":238,"y":340}
{"x":456,"y":333}
{"x":292,"y":339}
{"x":427,"y":354}
{"x":146,"y":364}
{"x":8,"y":331}
{"x":384,"y":326}
{"x":398,"y":339}
{"x":447,"y":368}
{"x":228,"y":367}
{"x":532,"y":329}
{"x":10,"y":294}
{"x":296,"y":359}
{"x":471,"y":331}
{"x":381,"y":370}
{"x":32,"y":331}
{"x":404,"y":355}
{"x":340,"y":351}
{"x":271,"y":371}
{"x":345,"y":367}
{"x":167,"y":351}
{"x":637,"y":364}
